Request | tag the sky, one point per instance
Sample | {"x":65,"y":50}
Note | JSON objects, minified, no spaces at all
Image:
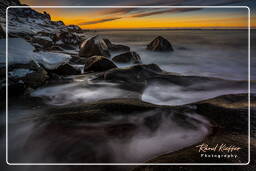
{"x":148,"y":18}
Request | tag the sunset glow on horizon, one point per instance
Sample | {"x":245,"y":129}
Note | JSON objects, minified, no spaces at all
{"x":150,"y":18}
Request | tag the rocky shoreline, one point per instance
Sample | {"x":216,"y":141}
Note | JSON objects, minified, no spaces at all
{"x":62,"y":54}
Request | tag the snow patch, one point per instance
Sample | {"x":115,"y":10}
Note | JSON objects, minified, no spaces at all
{"x":20,"y":51}
{"x":51,"y":60}
{"x":21,"y":72}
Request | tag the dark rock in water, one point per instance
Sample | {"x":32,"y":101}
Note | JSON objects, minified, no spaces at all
{"x":228,"y":115}
{"x":128,"y":57}
{"x":119,"y":48}
{"x":144,"y":75}
{"x":116,"y":47}
{"x":65,"y":69}
{"x":94,"y":46}
{"x":98,"y":64}
{"x":2,"y":33}
{"x":137,"y":73}
{"x":32,"y":75}
{"x":160,"y":44}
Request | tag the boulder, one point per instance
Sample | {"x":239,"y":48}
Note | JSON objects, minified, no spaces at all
{"x":160,"y":44}
{"x":98,"y":64}
{"x":65,"y":69}
{"x":94,"y":46}
{"x":128,"y":57}
{"x":137,"y":73}
{"x":116,"y":47}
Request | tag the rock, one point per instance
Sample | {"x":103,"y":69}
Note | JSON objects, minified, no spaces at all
{"x":68,"y":38}
{"x":225,"y":130}
{"x":94,"y":46}
{"x":98,"y":64}
{"x":31,"y":74}
{"x":65,"y":69}
{"x":2,"y":33}
{"x":160,"y":44}
{"x":116,"y":47}
{"x":137,"y":73}
{"x":47,"y":15}
{"x":128,"y":57}
{"x":44,"y":41}
{"x":74,"y":28}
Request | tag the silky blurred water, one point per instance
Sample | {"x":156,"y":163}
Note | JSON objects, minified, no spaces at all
{"x":217,"y":53}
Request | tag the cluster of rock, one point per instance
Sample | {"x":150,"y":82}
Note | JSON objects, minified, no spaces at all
{"x":94,"y":55}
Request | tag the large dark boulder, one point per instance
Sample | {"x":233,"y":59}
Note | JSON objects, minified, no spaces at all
{"x":128,"y":57}
{"x":160,"y":44}
{"x":137,"y":73}
{"x":98,"y":64}
{"x":116,"y":47}
{"x":94,"y":46}
{"x":65,"y":69}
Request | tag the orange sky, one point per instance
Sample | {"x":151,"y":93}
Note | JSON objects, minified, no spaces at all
{"x":152,"y":18}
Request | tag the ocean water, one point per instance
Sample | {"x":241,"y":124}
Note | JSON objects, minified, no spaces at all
{"x":216,"y":53}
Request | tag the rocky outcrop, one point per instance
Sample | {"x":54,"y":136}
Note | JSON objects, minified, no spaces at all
{"x":116,"y":47}
{"x":31,"y":75}
{"x":94,"y":46}
{"x":160,"y":44}
{"x":98,"y":64}
{"x":68,"y":38}
{"x":228,"y":115}
{"x":128,"y":57}
{"x":137,"y":73}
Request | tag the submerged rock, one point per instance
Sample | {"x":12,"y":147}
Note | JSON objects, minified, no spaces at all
{"x":128,"y":57}
{"x":94,"y":46}
{"x":98,"y":64}
{"x":160,"y":44}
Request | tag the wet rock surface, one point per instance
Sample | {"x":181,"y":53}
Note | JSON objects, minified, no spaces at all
{"x":160,"y":44}
{"x":94,"y":46}
{"x":65,"y":69}
{"x":116,"y":47}
{"x":128,"y":57}
{"x":98,"y":64}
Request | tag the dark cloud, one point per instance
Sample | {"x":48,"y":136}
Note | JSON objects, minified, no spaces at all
{"x":100,"y":21}
{"x":118,"y":10}
{"x":172,"y":10}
